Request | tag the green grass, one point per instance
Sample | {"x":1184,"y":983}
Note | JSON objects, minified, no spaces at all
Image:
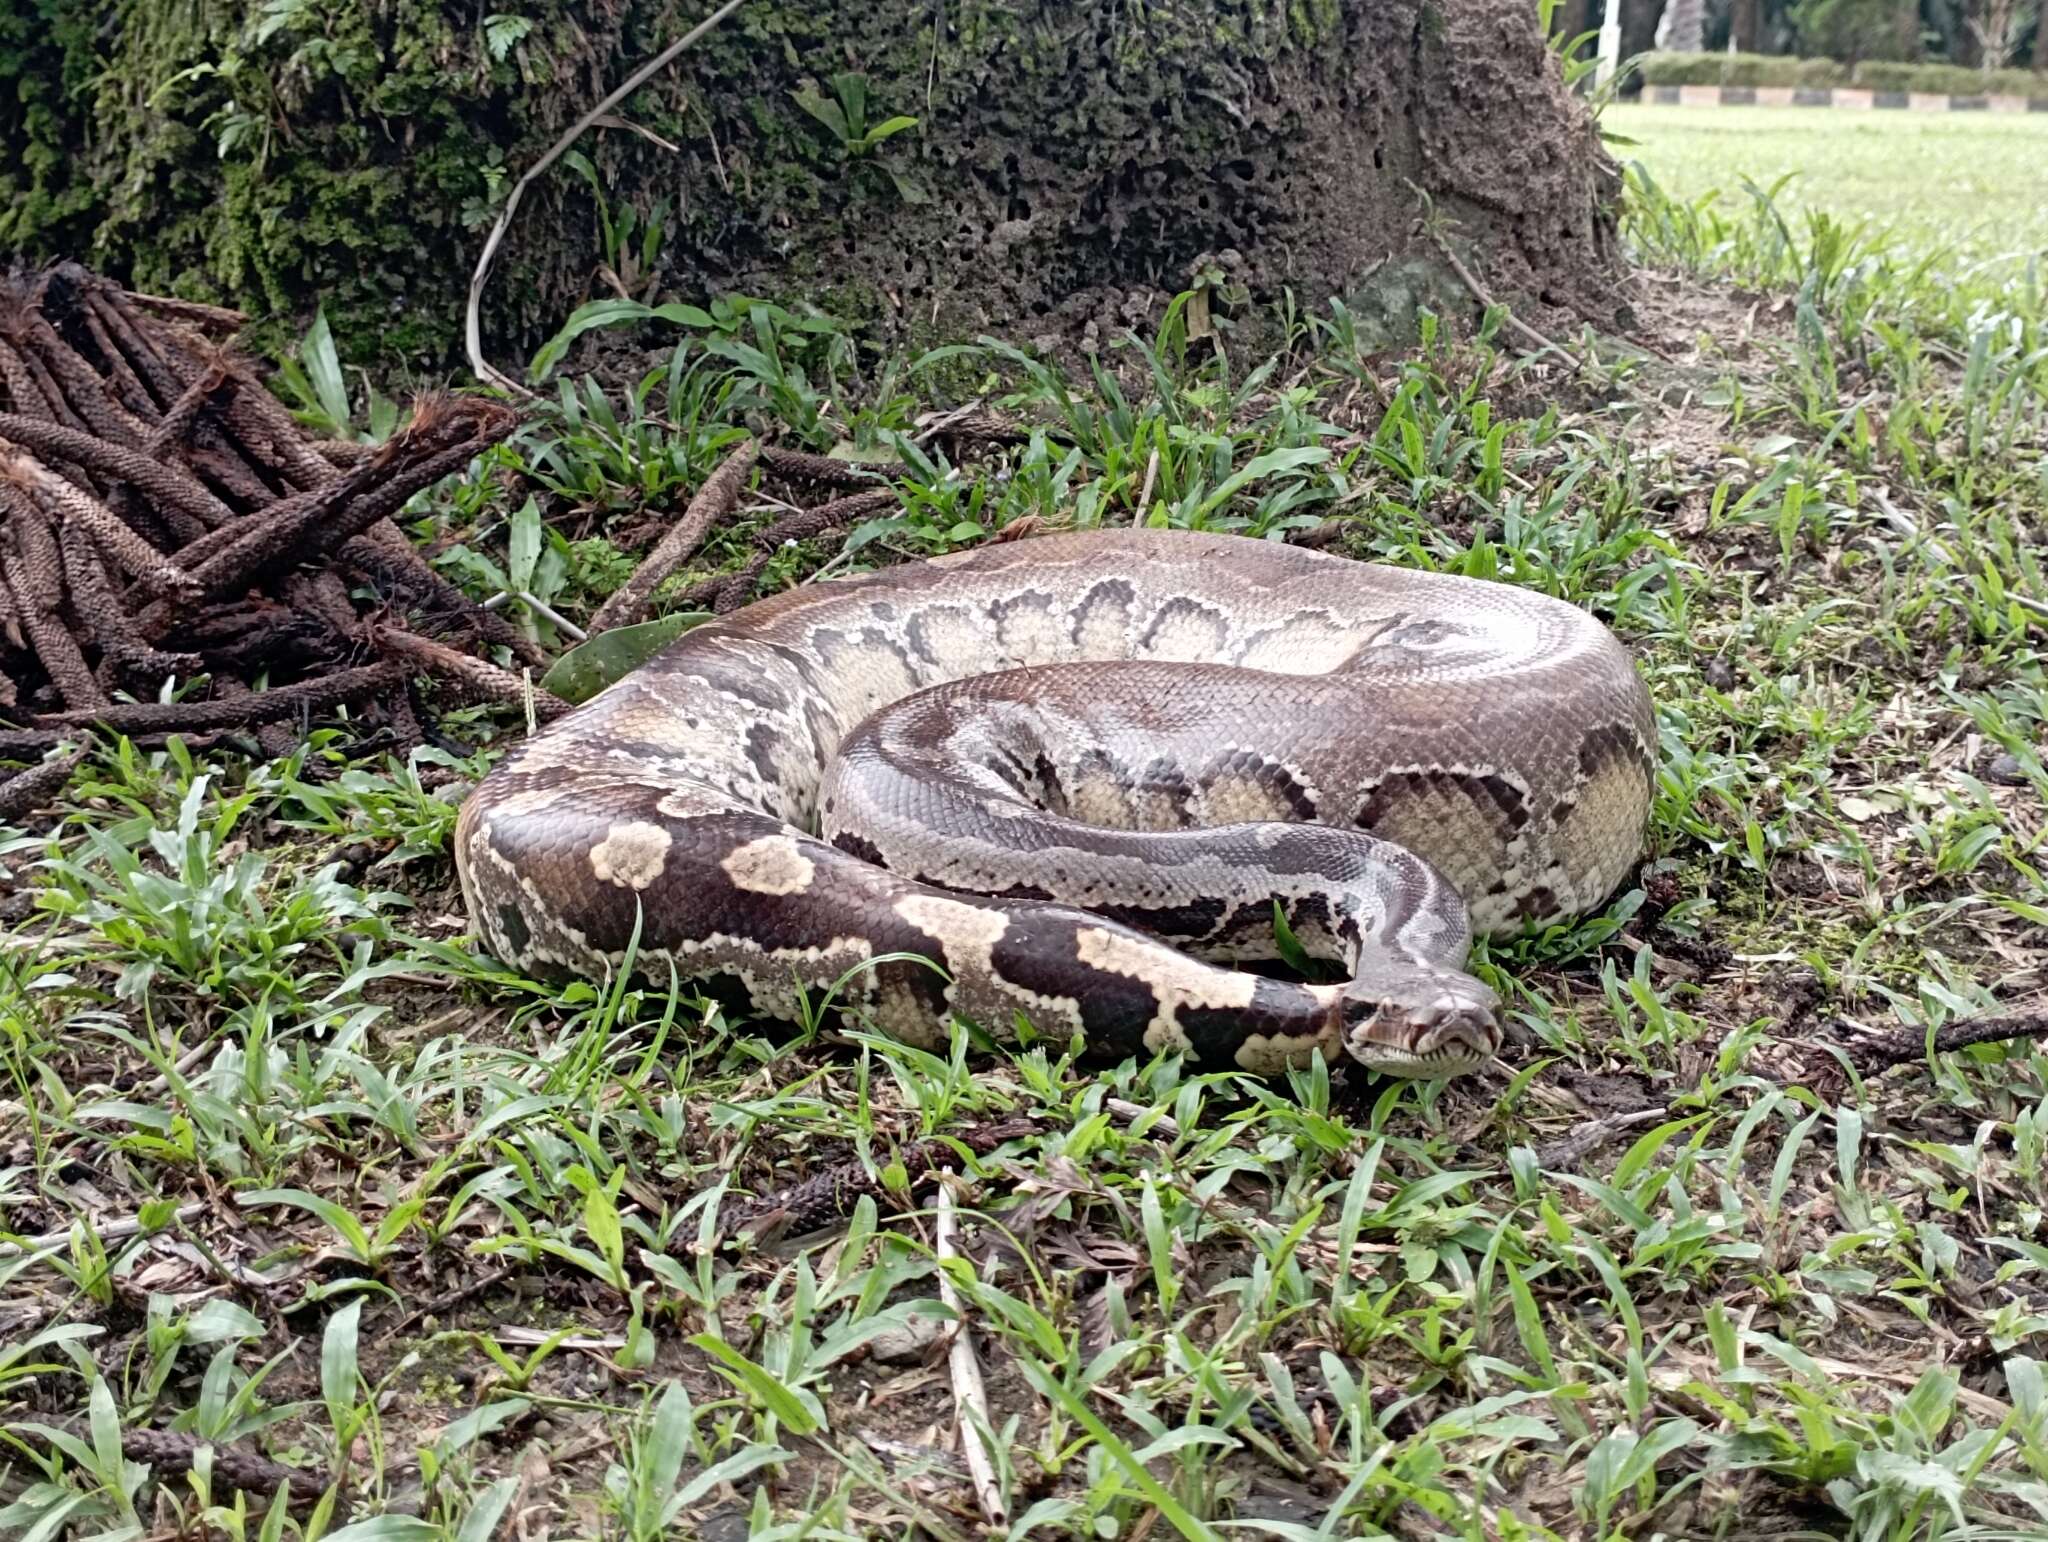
{"x":318,"y":1181}
{"x":1977,"y":180}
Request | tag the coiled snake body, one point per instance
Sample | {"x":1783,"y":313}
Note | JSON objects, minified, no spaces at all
{"x":1075,"y":774}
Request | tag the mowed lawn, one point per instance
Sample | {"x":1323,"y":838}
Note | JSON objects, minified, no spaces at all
{"x":1978,"y":181}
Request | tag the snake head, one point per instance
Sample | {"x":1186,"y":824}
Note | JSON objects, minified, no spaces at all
{"x":1420,"y":1023}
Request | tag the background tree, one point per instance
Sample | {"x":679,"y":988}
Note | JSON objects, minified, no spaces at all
{"x":1685,"y":25}
{"x":1051,"y":171}
{"x":1746,"y":22}
{"x":1639,"y":20}
{"x":1854,"y":30}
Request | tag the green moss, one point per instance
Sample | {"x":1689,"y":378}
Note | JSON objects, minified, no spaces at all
{"x":1314,"y":22}
{"x":46,"y":55}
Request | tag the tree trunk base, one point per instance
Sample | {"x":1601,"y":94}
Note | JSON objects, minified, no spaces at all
{"x":1071,"y":166}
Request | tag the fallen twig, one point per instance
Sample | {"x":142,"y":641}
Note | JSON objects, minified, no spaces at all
{"x":1589,"y":1137}
{"x":169,"y":1454}
{"x":137,"y":558}
{"x":473,"y":312}
{"x":1911,"y":1044}
{"x":26,"y":791}
{"x":970,"y":1396}
{"x":199,"y":314}
{"x":714,"y":502}
{"x":35,"y":576}
{"x":468,"y":1291}
{"x":263,"y":707}
{"x":1479,"y":293}
{"x":799,"y":526}
{"x":821,"y":470}
{"x":479,"y":678}
{"x":1145,"y":494}
{"x":153,"y":477}
{"x":831,"y":1193}
{"x":118,"y":1230}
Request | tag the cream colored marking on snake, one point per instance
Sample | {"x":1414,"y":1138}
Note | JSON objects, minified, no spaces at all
{"x":1174,"y":981}
{"x":631,"y":854}
{"x":771,"y":865}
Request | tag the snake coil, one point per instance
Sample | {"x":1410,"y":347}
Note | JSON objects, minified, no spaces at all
{"x":1065,"y":782}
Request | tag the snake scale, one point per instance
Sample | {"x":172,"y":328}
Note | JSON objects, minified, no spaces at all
{"x":1064,"y":781}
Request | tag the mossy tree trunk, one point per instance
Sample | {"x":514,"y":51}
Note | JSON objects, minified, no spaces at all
{"x":1071,"y":166}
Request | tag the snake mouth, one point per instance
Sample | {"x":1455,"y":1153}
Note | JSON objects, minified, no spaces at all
{"x":1446,"y":1037}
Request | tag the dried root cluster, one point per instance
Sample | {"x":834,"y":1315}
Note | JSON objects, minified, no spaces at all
{"x":163,"y":517}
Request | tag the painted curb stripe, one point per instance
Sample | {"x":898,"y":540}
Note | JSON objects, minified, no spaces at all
{"x":1853,"y":98}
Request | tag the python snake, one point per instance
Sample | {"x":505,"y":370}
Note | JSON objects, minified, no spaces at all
{"x":1063,"y":782}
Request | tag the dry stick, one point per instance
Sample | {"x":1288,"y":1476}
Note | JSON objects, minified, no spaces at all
{"x":1905,"y":1048}
{"x":118,"y":370}
{"x":402,"y":721}
{"x":472,"y":319}
{"x":169,"y":1454}
{"x":450,"y":1299}
{"x":434,"y":594}
{"x":1542,"y":343}
{"x":541,"y":608}
{"x":976,"y":422}
{"x":255,"y":527}
{"x":152,"y":476}
{"x":831,"y":1193}
{"x":308,"y":526}
{"x":714,"y":502}
{"x":970,"y":1397}
{"x":1589,"y":1137}
{"x":26,"y":791}
{"x":171,"y":432}
{"x":321,"y":593}
{"x":23,"y":394}
{"x":83,"y":386}
{"x":35,"y":573}
{"x":25,"y":397}
{"x":253,"y":412}
{"x":1127,"y":1113}
{"x":275,"y":738}
{"x":92,"y":594}
{"x":134,"y":347}
{"x":702,"y":595}
{"x":477,"y":677}
{"x":1022,"y":528}
{"x":107,"y":1231}
{"x":26,"y":743}
{"x":319,"y":522}
{"x":230,"y":450}
{"x":800,"y":526}
{"x":269,"y":706}
{"x":265,"y":441}
{"x":225,"y":561}
{"x":228,"y":473}
{"x":1145,"y":494}
{"x":341,"y":454}
{"x":150,"y":568}
{"x":58,"y":409}
{"x":194,"y":312}
{"x":821,"y":470}
{"x":10,"y":618}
